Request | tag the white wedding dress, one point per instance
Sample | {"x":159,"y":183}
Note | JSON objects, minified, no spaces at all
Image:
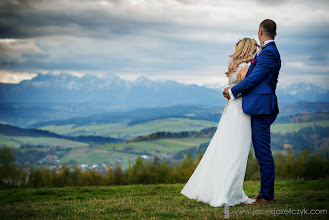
{"x":218,"y":178}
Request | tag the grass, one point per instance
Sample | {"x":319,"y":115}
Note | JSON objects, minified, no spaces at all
{"x":117,"y":130}
{"x":156,"y":201}
{"x":8,"y":141}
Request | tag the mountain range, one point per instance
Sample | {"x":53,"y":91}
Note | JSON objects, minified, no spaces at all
{"x":112,"y":90}
{"x":51,"y":96}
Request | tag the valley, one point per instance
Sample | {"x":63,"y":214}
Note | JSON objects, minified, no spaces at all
{"x":168,"y":138}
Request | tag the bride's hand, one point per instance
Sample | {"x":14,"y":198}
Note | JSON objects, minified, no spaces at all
{"x":226,"y":93}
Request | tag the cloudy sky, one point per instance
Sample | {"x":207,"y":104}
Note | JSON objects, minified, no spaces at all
{"x":184,"y":40}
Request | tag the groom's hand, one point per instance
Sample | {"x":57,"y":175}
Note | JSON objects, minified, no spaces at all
{"x":226,"y":93}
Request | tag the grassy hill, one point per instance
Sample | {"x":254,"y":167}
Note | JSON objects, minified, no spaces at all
{"x":124,"y":130}
{"x":15,"y":136}
{"x":157,"y":201}
{"x":17,"y":141}
{"x":294,"y":127}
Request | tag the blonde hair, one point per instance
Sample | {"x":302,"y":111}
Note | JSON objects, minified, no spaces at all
{"x":244,"y":52}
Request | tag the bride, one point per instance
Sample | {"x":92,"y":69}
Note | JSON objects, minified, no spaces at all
{"x":218,"y":178}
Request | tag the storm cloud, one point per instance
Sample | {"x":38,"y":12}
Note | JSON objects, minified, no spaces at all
{"x":188,"y":41}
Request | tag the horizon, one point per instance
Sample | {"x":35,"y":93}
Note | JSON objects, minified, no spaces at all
{"x":211,"y":85}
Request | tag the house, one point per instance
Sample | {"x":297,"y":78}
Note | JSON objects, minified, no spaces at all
{"x":51,"y":157}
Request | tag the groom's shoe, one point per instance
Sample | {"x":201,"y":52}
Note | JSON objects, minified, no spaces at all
{"x":257,"y":196}
{"x":261,"y":201}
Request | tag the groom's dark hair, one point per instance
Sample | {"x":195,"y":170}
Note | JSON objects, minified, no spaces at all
{"x":269,"y":27}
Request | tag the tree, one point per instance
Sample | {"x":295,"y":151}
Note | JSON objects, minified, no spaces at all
{"x":10,"y":174}
{"x":119,"y":178}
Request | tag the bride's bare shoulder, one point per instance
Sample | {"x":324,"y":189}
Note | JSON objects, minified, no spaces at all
{"x":242,"y":73}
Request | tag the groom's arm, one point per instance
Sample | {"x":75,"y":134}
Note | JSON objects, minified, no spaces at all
{"x":264,"y":66}
{"x":231,"y":94}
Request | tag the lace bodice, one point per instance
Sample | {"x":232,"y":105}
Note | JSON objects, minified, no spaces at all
{"x":232,"y":81}
{"x":233,"y":77}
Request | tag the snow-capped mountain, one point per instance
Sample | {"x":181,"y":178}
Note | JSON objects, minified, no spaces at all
{"x":108,"y":90}
{"x":217,"y":86}
{"x":302,"y":92}
{"x":111,"y":90}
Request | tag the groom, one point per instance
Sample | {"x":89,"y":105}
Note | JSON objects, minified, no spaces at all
{"x":260,"y":101}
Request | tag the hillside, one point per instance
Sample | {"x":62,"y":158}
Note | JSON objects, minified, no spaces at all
{"x":126,"y":123}
{"x":303,"y":117}
{"x":126,"y":131}
{"x":169,"y":146}
{"x":141,"y":115}
{"x":17,"y":136}
{"x":168,"y":138}
{"x":34,"y":115}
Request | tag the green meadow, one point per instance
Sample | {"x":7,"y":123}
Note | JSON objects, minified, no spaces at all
{"x":160,"y":201}
{"x":16,"y":141}
{"x":294,"y":127}
{"x":121,"y":130}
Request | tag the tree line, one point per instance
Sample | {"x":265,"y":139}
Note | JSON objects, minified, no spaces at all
{"x":287,"y":166}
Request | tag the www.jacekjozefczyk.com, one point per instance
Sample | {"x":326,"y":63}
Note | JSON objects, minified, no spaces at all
{"x":274,"y":211}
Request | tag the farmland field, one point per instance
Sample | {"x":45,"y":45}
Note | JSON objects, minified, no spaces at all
{"x":110,"y":152}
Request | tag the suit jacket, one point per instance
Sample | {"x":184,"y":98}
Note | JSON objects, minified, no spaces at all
{"x":259,"y":85}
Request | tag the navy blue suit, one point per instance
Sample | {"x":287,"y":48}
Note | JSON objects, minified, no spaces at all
{"x":260,"y":101}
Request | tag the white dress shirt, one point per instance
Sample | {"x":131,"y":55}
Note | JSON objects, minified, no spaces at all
{"x":229,"y":91}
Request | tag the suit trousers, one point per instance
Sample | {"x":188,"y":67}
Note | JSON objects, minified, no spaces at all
{"x":261,"y":138}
